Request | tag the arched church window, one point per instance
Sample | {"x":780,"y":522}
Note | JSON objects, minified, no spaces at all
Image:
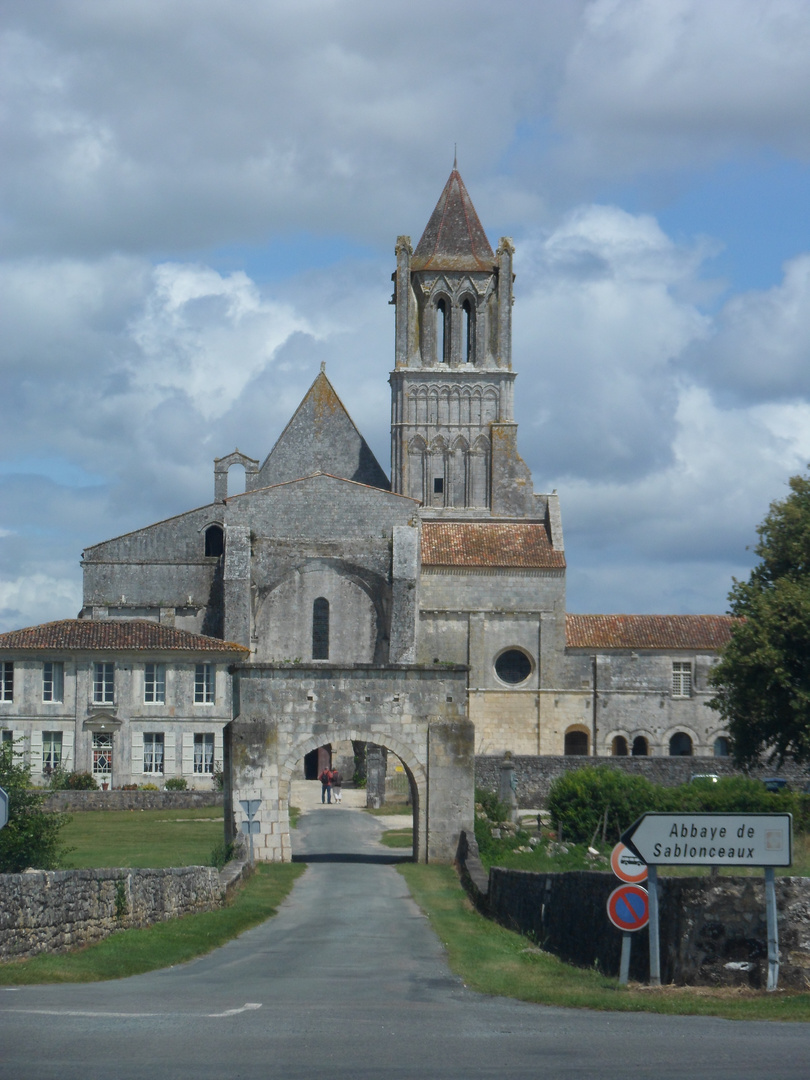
{"x":619,"y":746}
{"x":575,"y":742}
{"x":320,"y":629}
{"x":442,"y":332}
{"x":214,"y":540}
{"x":467,"y":333}
{"x":680,"y":745}
{"x":640,"y":748}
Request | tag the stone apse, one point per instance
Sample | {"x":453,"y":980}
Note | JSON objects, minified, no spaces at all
{"x":283,"y":711}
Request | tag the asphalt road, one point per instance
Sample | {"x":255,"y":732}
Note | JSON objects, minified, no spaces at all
{"x":348,"y":981}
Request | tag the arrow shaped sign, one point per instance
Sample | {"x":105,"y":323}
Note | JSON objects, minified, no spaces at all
{"x":711,"y":839}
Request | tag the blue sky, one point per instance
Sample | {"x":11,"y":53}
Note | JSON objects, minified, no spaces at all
{"x":200,"y":202}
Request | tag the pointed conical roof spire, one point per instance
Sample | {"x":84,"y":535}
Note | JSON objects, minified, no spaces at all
{"x":454,"y":238}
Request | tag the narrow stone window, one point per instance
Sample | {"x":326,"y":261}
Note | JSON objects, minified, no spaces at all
{"x":320,"y":629}
{"x":104,"y":684}
{"x":442,"y":332}
{"x":153,"y":752}
{"x":51,"y":751}
{"x":53,"y":680}
{"x":6,"y":680}
{"x":204,"y":753}
{"x":467,"y":333}
{"x":214,"y":540}
{"x":681,"y":679}
{"x":438,"y":485}
{"x":154,"y":684}
{"x":204,"y":684}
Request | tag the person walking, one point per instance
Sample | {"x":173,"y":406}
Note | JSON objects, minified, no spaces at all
{"x":326,"y":785}
{"x":337,"y":785}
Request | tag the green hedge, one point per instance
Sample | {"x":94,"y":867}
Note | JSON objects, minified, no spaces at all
{"x":579,"y":801}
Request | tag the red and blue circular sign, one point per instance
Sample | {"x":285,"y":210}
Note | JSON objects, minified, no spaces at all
{"x":628,"y":907}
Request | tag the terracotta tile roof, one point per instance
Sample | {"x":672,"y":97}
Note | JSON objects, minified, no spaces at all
{"x":710,"y":632}
{"x":454,"y":238}
{"x":494,"y":544}
{"x":113,"y":634}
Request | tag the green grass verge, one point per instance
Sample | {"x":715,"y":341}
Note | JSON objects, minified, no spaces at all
{"x":132,"y":952}
{"x":397,"y":838}
{"x":138,"y":838}
{"x":390,"y":810}
{"x":496,"y":961}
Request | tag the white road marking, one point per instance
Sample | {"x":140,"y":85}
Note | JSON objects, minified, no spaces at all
{"x":249,"y":1006}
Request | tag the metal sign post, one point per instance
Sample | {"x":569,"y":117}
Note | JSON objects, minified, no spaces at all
{"x":251,"y":808}
{"x":713,"y":840}
{"x":627,"y":909}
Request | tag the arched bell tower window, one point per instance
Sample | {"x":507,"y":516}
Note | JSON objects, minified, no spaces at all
{"x":320,"y":629}
{"x":214,"y":540}
{"x":467,"y":333}
{"x":442,"y":331}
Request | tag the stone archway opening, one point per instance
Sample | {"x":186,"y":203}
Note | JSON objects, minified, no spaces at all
{"x":287,"y":711}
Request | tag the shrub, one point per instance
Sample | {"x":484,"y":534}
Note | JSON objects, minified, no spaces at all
{"x":73,"y":781}
{"x":176,"y":783}
{"x":147,"y":787}
{"x":579,"y":801}
{"x":222,"y":854}
{"x":218,"y":776}
{"x":31,"y":835}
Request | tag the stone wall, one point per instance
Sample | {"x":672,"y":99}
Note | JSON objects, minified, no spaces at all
{"x":534,"y":775}
{"x":713,"y":930}
{"x":53,"y":911}
{"x":131,"y":800}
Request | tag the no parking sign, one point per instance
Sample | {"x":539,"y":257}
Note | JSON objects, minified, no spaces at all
{"x":628,"y":908}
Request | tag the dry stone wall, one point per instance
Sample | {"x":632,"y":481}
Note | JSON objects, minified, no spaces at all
{"x":53,"y":911}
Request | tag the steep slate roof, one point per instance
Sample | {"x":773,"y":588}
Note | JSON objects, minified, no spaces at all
{"x":709,"y":632}
{"x":454,"y":238}
{"x":113,"y":634}
{"x":322,"y":437}
{"x":491,"y":544}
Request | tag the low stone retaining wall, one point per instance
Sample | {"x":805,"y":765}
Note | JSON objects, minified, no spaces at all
{"x":56,"y":910}
{"x":132,"y":800}
{"x":713,"y":930}
{"x":534,"y":775}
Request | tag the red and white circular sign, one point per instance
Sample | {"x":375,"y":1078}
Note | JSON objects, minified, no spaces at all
{"x":627,"y":866}
{"x":628,"y":908}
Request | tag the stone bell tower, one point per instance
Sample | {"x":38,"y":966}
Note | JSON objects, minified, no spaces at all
{"x":453,"y":435}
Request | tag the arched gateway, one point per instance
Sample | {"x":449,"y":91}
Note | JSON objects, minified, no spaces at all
{"x":283,"y":711}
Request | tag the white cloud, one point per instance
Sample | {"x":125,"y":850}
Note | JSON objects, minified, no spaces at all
{"x":652,"y":83}
{"x":36,"y":598}
{"x":761,"y":350}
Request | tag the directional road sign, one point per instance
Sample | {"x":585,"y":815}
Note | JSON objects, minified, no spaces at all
{"x":250,"y":806}
{"x":711,"y":839}
{"x":627,"y":866}
{"x":3,"y":808}
{"x":628,"y":907}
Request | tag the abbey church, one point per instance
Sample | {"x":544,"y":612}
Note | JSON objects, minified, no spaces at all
{"x":453,"y":562}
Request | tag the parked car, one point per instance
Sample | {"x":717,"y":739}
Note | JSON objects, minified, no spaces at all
{"x":709,"y":777}
{"x":775,"y":783}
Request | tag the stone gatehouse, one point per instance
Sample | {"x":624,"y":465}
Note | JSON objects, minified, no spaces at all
{"x":285,"y":712}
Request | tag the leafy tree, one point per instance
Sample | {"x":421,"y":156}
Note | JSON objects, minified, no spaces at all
{"x":31,"y":835}
{"x":762,"y":682}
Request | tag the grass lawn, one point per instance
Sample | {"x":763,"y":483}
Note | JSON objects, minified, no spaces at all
{"x":397,"y":838}
{"x":132,"y":952}
{"x":497,"y":961}
{"x":153,"y":838}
